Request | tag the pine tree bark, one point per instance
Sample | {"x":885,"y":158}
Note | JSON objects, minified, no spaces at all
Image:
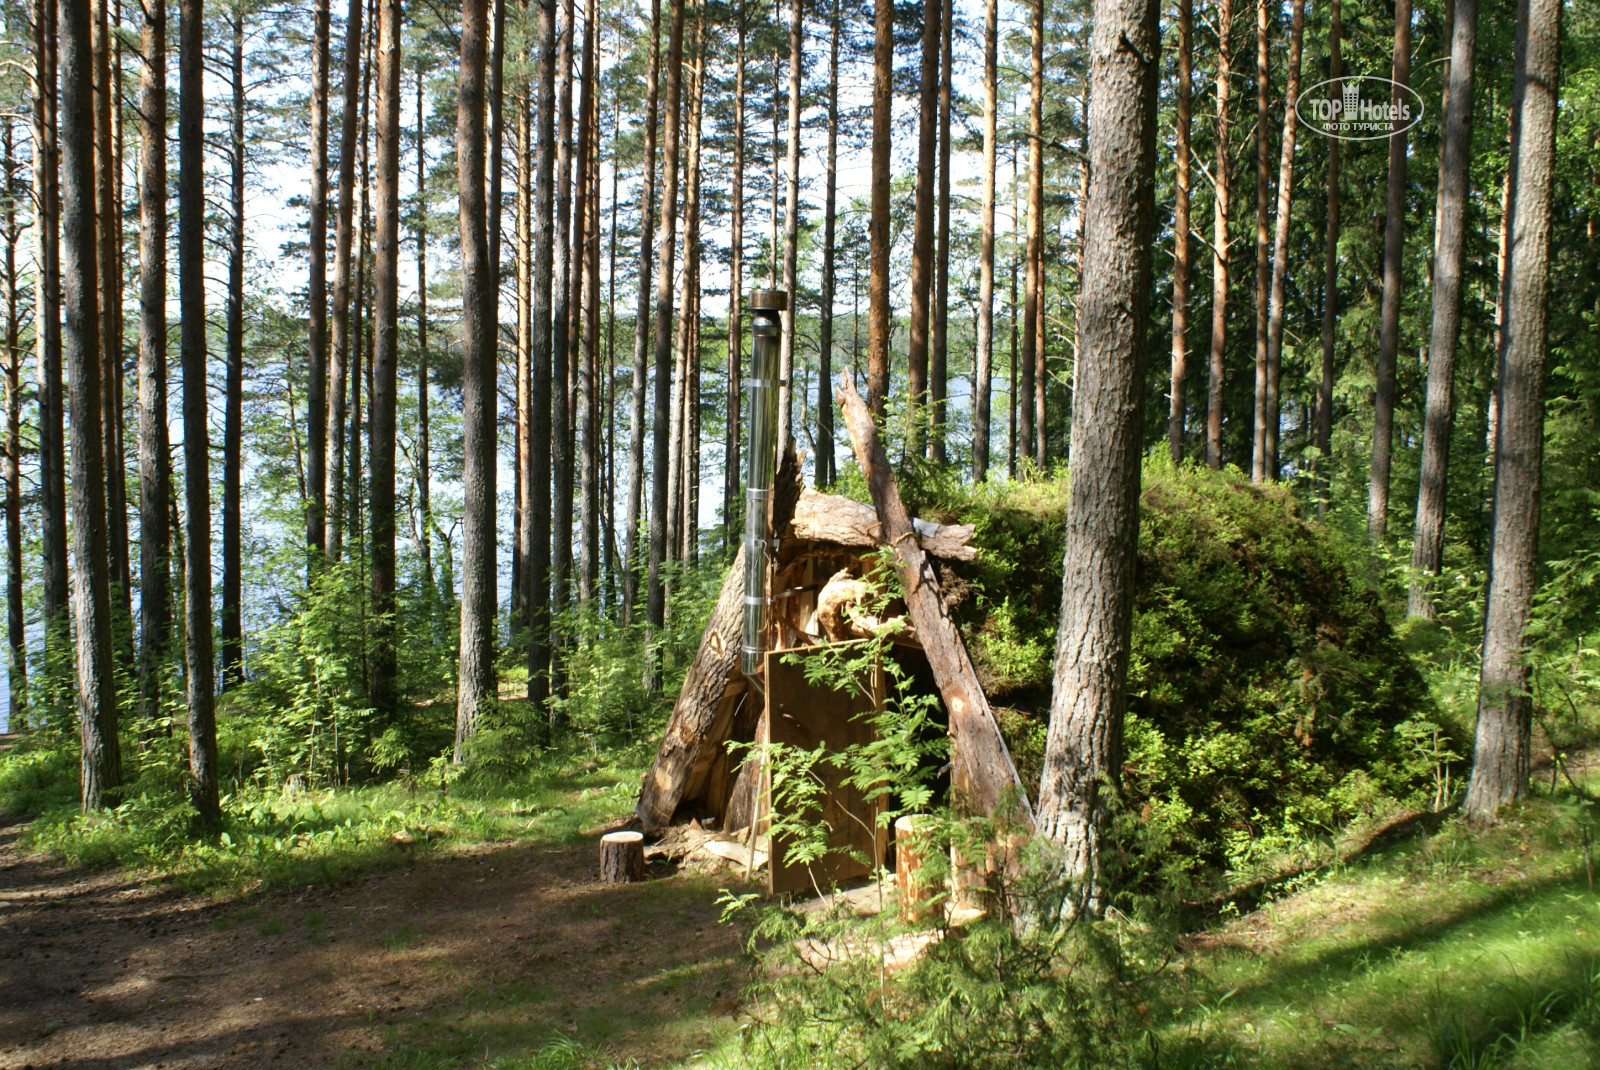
{"x":476,"y":682}
{"x":317,"y":291}
{"x":1032,"y":285}
{"x":1427,"y":548}
{"x":1330,"y":280}
{"x":562,"y":333}
{"x":1178,"y":411}
{"x":1502,"y":749}
{"x":16,"y":635}
{"x":47,"y":330}
{"x":1221,"y":257}
{"x":939,"y":342}
{"x":588,"y":377}
{"x":922,"y":228}
{"x":339,"y":363}
{"x":1280,"y":236}
{"x":879,"y":323}
{"x":655,"y":608}
{"x":384,"y":691}
{"x":536,"y":473}
{"x":791,"y":227}
{"x":1263,"y":281}
{"x":108,"y":263}
{"x":101,"y":766}
{"x":1083,"y":750}
{"x":155,"y":465}
{"x":522,"y":585}
{"x":983,"y":369}
{"x":642,"y":319}
{"x":823,"y":466}
{"x":424,"y":456}
{"x":233,"y":384}
{"x":1394,"y":238}
{"x":199,"y":667}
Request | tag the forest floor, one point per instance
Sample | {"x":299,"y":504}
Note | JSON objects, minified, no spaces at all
{"x":505,"y":945}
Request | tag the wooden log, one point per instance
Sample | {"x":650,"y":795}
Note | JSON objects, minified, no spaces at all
{"x":981,"y":767}
{"x":830,"y":518}
{"x":694,"y":716}
{"x":914,"y":891}
{"x":621,"y":857}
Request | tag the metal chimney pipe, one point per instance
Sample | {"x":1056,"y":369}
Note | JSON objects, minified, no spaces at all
{"x":766,"y":308}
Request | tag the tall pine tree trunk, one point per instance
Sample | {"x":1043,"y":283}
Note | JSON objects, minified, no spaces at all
{"x":791,"y":228}
{"x":199,"y":667}
{"x":983,"y":369}
{"x":1263,"y":282}
{"x":522,"y":585}
{"x":1394,"y":239}
{"x":1330,"y":281}
{"x":561,"y":460}
{"x":732,"y":428}
{"x":588,"y":378}
{"x":424,"y":456}
{"x":16,"y":636}
{"x":1220,"y":257}
{"x":824,"y":466}
{"x":385,"y":360}
{"x":1178,"y":411}
{"x":536,"y":473}
{"x":939,"y":351}
{"x":1502,"y":750}
{"x":233,"y":383}
{"x":1427,"y":548}
{"x":1280,"y":236}
{"x":339,"y":362}
{"x":879,"y":323}
{"x":1029,"y":421}
{"x":642,"y":319}
{"x":922,"y":227}
{"x":317,"y":292}
{"x":476,"y":683}
{"x":155,"y":471}
{"x":1083,"y":751}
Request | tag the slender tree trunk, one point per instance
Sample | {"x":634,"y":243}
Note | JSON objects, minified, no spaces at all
{"x":47,"y":331}
{"x":1263,"y":283}
{"x":588,"y":378}
{"x":155,"y":471}
{"x":1221,"y":257}
{"x":1330,"y":282}
{"x":1427,"y":548}
{"x":939,"y":355}
{"x":1394,"y":238}
{"x":1083,"y":751}
{"x":561,"y":459}
{"x":424,"y":457}
{"x":536,"y":473}
{"x":496,"y":81}
{"x":91,"y":598}
{"x":642,"y":321}
{"x":385,"y":360}
{"x":1502,"y":751}
{"x":16,"y":636}
{"x":791,"y":227}
{"x":655,"y":608}
{"x":1280,"y":236}
{"x":824,"y":466}
{"x":983,"y":368}
{"x":1032,"y":286}
{"x":922,"y":230}
{"x":522,"y":582}
{"x":733,"y":429}
{"x":339,"y":363}
{"x":317,"y":290}
{"x":233,"y":387}
{"x":476,"y":687}
{"x":1178,"y":412}
{"x":879,"y":323}
{"x":199,"y":667}
{"x":108,"y":235}
{"x":1013,"y":429}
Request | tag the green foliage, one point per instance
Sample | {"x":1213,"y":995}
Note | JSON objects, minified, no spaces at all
{"x":1269,"y":700}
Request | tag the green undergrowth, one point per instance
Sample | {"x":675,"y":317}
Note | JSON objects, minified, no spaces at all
{"x":276,"y":837}
{"x":1270,"y":703}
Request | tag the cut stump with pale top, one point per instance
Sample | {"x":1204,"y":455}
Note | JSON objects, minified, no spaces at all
{"x":621,"y":857}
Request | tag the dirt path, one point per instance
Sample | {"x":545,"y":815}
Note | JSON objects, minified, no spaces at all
{"x":498,"y":949}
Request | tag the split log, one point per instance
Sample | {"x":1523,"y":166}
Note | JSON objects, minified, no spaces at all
{"x":844,"y":522}
{"x":981,"y":767}
{"x":691,"y":731}
{"x":621,"y":857}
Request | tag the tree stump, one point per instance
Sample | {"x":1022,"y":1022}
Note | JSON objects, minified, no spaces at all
{"x":914,"y":891}
{"x":621,"y":857}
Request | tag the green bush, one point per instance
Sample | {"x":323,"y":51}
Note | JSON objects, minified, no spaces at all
{"x":1269,"y":700}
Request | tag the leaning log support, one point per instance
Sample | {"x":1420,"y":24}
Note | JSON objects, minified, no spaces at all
{"x":981,"y":768}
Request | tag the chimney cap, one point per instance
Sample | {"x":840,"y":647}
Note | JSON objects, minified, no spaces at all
{"x":769,"y":300}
